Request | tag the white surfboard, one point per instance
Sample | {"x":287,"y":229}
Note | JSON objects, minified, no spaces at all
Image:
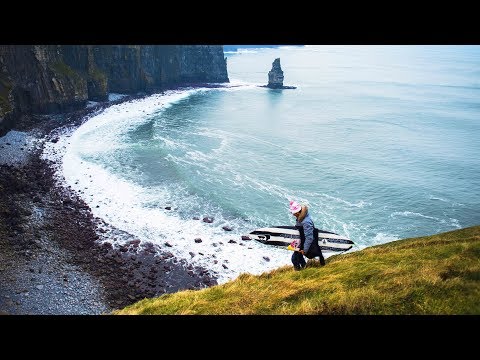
{"x":284,"y":235}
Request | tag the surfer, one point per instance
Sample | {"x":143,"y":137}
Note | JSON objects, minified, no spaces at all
{"x":306,"y":228}
{"x":305,"y":224}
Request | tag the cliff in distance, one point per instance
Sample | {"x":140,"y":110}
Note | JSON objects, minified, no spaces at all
{"x":45,"y":79}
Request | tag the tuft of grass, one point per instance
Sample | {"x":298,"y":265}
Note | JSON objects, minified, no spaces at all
{"x":62,"y":69}
{"x":438,"y":274}
{"x":98,"y":76}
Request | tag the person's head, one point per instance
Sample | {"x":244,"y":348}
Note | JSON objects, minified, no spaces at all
{"x":295,"y":208}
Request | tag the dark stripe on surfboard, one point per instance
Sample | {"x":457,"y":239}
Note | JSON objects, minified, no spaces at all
{"x":273,"y":242}
{"x":295,"y":228}
{"x":334,"y":248}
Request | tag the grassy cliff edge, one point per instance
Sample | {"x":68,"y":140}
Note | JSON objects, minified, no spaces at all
{"x":438,"y":274}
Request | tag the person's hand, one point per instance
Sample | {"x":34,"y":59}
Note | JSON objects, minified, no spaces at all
{"x":302,"y":252}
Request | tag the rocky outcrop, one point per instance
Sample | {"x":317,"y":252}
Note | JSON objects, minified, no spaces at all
{"x":275,"y":76}
{"x":210,"y":64}
{"x":42,"y":79}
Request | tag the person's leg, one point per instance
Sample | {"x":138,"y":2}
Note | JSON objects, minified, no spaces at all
{"x":297,"y":260}
{"x":303,"y":263}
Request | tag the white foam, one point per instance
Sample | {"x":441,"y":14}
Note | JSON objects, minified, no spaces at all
{"x":432,"y":197}
{"x":455,"y":223}
{"x":91,"y":104}
{"x":115,"y":96}
{"x":359,"y":204}
{"x":412,"y":214}
{"x":382,"y":238}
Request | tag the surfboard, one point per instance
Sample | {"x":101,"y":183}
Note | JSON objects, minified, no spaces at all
{"x":284,"y":235}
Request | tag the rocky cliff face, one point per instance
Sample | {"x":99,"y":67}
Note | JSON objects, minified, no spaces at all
{"x":41,"y":79}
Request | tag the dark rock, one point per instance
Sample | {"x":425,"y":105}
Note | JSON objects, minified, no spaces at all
{"x":275,"y":77}
{"x":266,"y":258}
{"x":227,"y":228}
{"x":134,"y":243}
{"x":107,"y":245}
{"x":168,"y":208}
{"x":246,"y":238}
{"x":208,"y":219}
{"x":198,"y":240}
{"x":168,"y":244}
{"x":232,"y":241}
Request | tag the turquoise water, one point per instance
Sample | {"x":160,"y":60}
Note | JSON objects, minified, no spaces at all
{"x":381,"y":142}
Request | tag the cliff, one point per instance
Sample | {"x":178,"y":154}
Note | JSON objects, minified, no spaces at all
{"x":43,"y":79}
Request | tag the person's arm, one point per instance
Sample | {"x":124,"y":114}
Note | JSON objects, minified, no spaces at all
{"x":302,"y":236}
{"x":308,"y":231}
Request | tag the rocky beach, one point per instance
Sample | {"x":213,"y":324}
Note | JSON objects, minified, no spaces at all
{"x":55,"y":256}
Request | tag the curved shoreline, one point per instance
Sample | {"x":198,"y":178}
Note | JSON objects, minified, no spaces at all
{"x":55,"y":263}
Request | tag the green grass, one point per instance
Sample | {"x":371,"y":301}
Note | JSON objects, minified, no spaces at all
{"x":437,"y":274}
{"x":62,"y":69}
{"x":98,"y":76}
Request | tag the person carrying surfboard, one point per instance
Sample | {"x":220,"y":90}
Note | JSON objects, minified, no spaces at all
{"x":308,"y":239}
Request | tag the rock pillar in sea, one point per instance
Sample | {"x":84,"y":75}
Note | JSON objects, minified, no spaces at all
{"x":275,"y":76}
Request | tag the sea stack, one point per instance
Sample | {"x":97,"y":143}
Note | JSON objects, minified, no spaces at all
{"x":275,"y":77}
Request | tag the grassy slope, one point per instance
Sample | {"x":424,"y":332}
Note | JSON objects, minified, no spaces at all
{"x":438,"y":274}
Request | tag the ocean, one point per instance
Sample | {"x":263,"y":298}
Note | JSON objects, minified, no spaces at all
{"x":381,"y":142}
